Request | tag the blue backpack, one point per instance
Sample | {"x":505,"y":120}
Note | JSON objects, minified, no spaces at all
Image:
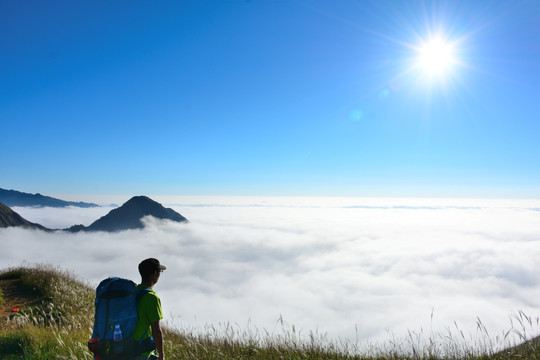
{"x":115,"y":318}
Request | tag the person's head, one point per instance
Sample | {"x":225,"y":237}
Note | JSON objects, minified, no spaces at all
{"x":150,"y":269}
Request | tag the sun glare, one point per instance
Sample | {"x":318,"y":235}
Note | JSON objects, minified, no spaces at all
{"x":435,"y":57}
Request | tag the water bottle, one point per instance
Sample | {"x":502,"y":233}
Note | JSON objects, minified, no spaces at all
{"x":117,"y":337}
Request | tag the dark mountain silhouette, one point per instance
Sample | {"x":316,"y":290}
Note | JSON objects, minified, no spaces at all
{"x":9,"y":218}
{"x":129,"y":216}
{"x":17,"y":198}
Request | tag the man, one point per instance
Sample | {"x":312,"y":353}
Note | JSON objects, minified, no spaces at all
{"x":149,"y":311}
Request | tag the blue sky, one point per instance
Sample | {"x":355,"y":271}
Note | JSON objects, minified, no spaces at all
{"x":269,"y":97}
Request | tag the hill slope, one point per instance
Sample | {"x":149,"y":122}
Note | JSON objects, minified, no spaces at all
{"x":17,"y":198}
{"x":129,"y":216}
{"x":9,"y":218}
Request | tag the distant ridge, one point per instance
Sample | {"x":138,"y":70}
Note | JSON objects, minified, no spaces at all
{"x":9,"y":218}
{"x":17,"y":198}
{"x":129,"y":216}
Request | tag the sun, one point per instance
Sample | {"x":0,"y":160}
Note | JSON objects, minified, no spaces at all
{"x":435,"y":57}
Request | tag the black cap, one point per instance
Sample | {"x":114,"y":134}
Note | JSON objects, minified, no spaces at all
{"x":149,"y":266}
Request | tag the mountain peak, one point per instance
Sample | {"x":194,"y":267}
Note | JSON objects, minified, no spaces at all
{"x":141,"y":200}
{"x":129,"y":215}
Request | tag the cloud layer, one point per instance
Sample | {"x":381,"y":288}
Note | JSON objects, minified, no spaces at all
{"x":349,"y":269}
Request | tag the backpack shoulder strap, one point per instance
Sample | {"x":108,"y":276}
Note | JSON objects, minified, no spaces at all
{"x":140,"y":293}
{"x":138,"y":296}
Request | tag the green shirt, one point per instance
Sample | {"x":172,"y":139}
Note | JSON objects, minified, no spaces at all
{"x":149,"y":311}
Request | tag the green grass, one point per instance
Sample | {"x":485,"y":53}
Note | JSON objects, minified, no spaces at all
{"x":60,"y":324}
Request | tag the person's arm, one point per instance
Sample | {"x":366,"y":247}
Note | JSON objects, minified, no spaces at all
{"x":157,"y":334}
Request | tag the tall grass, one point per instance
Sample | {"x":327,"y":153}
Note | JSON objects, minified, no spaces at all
{"x":236,"y":342}
{"x":60,"y":323}
{"x":56,"y":326}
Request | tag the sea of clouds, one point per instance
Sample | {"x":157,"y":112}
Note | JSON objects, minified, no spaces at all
{"x":362,"y":270}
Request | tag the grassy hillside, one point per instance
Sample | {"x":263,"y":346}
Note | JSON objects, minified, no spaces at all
{"x":56,"y":319}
